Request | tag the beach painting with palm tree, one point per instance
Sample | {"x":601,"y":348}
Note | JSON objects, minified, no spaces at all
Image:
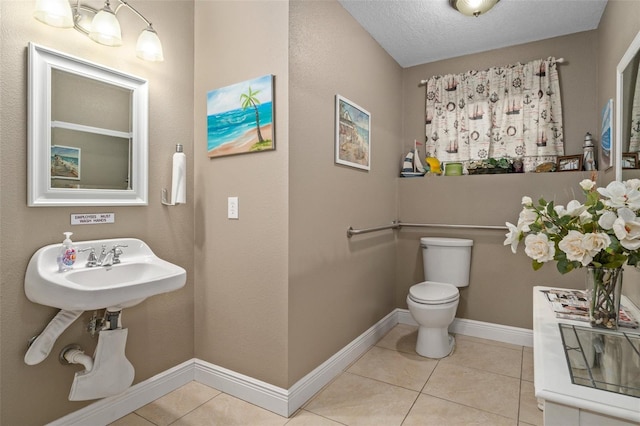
{"x":240,"y":118}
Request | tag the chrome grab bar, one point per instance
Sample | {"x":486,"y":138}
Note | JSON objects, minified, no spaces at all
{"x":351,"y":232}
{"x":397,"y":225}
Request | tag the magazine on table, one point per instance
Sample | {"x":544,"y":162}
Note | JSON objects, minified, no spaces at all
{"x":574,"y":305}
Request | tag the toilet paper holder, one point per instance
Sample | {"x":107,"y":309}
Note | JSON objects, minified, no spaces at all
{"x":178,"y":180}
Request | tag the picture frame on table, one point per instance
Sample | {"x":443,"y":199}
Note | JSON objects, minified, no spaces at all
{"x":569,"y":163}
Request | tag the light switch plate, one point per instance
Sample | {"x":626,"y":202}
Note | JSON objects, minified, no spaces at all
{"x":232,"y":208}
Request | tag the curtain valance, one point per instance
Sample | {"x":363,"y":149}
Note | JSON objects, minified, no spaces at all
{"x":513,"y":111}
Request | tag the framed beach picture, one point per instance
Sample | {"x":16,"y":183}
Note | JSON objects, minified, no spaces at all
{"x":240,"y":118}
{"x":65,"y":162}
{"x":353,"y":134}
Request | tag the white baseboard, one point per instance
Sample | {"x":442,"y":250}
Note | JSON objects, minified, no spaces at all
{"x":497,"y":332}
{"x":108,"y":410}
{"x":278,"y":400}
{"x":310,"y":384}
{"x":282,"y":401}
{"x":484,"y":330}
{"x":257,"y":392}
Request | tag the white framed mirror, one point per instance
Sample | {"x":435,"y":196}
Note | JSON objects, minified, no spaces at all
{"x":87,"y":133}
{"x":627,"y":126}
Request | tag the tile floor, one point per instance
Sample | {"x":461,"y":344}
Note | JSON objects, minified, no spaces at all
{"x":482,"y":383}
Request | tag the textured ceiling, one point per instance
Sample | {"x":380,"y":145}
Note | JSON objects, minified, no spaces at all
{"x":416,"y":32}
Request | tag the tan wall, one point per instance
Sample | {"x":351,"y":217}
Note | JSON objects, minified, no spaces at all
{"x":281,"y":289}
{"x":160,"y":328}
{"x":619,"y":25}
{"x":338,"y":287}
{"x":241,"y":265}
{"x":496,"y":274}
{"x":500,"y":289}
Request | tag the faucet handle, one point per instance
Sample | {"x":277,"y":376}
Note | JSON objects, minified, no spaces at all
{"x":91,"y":259}
{"x":117,"y":252}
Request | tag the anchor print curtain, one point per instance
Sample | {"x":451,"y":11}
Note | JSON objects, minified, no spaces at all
{"x":512,"y":112}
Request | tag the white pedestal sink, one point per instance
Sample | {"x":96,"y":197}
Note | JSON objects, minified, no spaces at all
{"x":139,"y":275}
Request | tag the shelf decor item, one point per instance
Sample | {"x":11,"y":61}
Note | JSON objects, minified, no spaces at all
{"x":569,"y":163}
{"x":602,"y":235}
{"x":491,"y":166}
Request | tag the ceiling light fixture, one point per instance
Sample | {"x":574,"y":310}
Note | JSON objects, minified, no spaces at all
{"x":101,"y":26}
{"x":473,"y":7}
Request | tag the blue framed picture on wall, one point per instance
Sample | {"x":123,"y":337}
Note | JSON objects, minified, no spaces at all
{"x":605,"y":135}
{"x":240,"y":118}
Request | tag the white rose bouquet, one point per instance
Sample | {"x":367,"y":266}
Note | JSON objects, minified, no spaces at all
{"x":604,"y":232}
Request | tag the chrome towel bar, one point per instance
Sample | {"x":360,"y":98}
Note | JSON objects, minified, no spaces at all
{"x":397,"y":225}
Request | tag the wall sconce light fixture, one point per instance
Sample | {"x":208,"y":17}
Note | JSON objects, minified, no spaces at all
{"x":473,"y":7}
{"x":101,"y":26}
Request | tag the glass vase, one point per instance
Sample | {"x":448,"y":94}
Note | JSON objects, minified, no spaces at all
{"x":604,"y":286}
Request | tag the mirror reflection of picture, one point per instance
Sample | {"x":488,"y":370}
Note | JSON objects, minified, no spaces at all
{"x":630,"y":160}
{"x":65,"y":162}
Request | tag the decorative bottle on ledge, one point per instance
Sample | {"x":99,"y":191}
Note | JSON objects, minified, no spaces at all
{"x":588,"y":158}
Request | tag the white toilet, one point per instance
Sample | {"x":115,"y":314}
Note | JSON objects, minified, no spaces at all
{"x":433,"y":302}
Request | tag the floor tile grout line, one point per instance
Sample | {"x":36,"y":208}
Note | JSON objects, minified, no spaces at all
{"x":199,"y":406}
{"x":143,"y":417}
{"x":430,"y":374}
{"x":410,"y":408}
{"x":520,"y":384}
{"x":489,"y":342}
{"x":469,"y":406}
{"x":382,"y":381}
{"x":484,"y":370}
{"x":315,"y":414}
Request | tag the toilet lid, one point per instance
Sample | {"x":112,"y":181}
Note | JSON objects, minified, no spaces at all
{"x":430,"y":293}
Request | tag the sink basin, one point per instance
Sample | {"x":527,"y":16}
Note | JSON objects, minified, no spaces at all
{"x":140,"y":274}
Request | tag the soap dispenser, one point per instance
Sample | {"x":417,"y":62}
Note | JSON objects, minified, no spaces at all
{"x":67,"y":254}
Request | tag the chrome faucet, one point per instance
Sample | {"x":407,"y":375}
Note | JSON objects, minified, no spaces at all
{"x":91,"y":259}
{"x":103,"y":255}
{"x":106,"y":258}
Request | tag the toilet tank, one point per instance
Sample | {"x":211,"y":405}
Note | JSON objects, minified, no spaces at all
{"x":446,"y":260}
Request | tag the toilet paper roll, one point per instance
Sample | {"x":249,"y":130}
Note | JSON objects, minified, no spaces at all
{"x":179,"y":179}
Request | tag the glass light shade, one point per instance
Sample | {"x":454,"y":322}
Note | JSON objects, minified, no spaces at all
{"x":473,"y":7}
{"x":105,"y":28}
{"x":148,"y":46}
{"x":56,"y":13}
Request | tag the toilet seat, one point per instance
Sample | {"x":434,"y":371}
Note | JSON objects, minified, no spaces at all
{"x":433,"y":293}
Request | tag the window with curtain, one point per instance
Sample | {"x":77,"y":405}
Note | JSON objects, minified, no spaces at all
{"x":503,"y":112}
